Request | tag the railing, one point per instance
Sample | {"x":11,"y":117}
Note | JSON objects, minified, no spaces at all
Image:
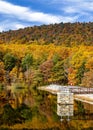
{"x":81,"y":90}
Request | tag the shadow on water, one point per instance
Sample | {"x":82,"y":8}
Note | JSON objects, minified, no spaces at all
{"x":24,"y":104}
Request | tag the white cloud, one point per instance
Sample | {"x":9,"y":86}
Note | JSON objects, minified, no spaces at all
{"x":24,"y":13}
{"x":70,"y":10}
{"x":16,"y":13}
{"x":16,"y":16}
{"x":78,"y":6}
{"x":18,"y":25}
{"x":6,"y":25}
{"x":83,"y":9}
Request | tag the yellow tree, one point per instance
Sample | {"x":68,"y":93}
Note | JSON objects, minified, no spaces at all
{"x":2,"y":72}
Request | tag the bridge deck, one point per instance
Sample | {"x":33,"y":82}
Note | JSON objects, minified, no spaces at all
{"x":87,"y":98}
{"x":54,"y":89}
{"x":80,"y":93}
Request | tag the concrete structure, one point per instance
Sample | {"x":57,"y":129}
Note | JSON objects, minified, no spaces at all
{"x":66,"y":96}
{"x":65,"y":102}
{"x":80,"y":93}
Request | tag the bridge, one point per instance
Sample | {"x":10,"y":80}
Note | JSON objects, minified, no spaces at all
{"x":53,"y":88}
{"x":66,"y":96}
{"x":82,"y":94}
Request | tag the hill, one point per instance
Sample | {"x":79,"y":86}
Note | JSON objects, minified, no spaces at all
{"x":66,"y":34}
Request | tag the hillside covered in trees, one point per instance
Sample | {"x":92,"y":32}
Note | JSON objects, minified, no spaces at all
{"x":66,"y":34}
{"x":40,"y":65}
{"x":38,"y":56}
{"x":24,"y":68}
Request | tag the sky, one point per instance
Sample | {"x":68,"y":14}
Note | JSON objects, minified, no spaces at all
{"x":16,"y":14}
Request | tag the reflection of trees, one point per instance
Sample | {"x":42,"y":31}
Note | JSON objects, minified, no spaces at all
{"x":80,"y":112}
{"x":11,"y":116}
{"x":18,"y":93}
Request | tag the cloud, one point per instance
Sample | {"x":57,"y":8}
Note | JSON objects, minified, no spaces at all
{"x":16,"y":15}
{"x":82,"y":8}
{"x":78,"y":6}
{"x":24,"y":13}
{"x":7,"y":24}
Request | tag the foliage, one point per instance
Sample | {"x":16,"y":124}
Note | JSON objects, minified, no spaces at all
{"x":10,"y":116}
{"x":1,"y":87}
{"x":80,"y":73}
{"x":35,"y":111}
{"x":45,"y":64}
{"x":9,"y":61}
{"x":37,"y":79}
{"x":68,"y":34}
{"x":25,"y":112}
{"x":56,"y":58}
{"x":2,"y":72}
{"x":81,"y":110}
{"x":27,"y":61}
{"x":46,"y":68}
{"x":59,"y":53}
{"x":59,"y":73}
{"x":87,"y":80}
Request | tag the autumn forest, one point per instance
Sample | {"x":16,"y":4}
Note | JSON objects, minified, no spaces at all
{"x":42,"y":55}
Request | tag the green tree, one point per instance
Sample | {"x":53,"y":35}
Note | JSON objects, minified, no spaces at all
{"x":59,"y":73}
{"x":10,"y":116}
{"x":80,"y":73}
{"x":37,"y":79}
{"x":27,"y":61}
{"x":9,"y":61}
{"x":56,"y":58}
{"x":1,"y":56}
{"x":25,"y":112}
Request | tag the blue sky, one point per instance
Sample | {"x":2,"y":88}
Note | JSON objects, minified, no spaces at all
{"x":15,"y":14}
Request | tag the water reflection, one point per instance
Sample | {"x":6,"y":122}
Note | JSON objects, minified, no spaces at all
{"x":44,"y":104}
{"x":17,"y":94}
{"x":65,"y":111}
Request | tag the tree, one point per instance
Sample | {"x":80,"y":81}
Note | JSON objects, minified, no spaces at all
{"x":37,"y":79}
{"x":1,"y":55}
{"x":46,"y":70}
{"x":2,"y":72}
{"x":13,"y":74}
{"x":80,"y":73}
{"x":89,"y":64}
{"x":87,"y":80}
{"x":56,"y":58}
{"x":59,"y":73}
{"x":10,"y":116}
{"x":9,"y":61}
{"x":27,"y":61}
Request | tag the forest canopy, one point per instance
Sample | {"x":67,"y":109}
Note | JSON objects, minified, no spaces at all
{"x":56,"y":53}
{"x":44,"y":64}
{"x":66,"y":34}
{"x":38,"y":56}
